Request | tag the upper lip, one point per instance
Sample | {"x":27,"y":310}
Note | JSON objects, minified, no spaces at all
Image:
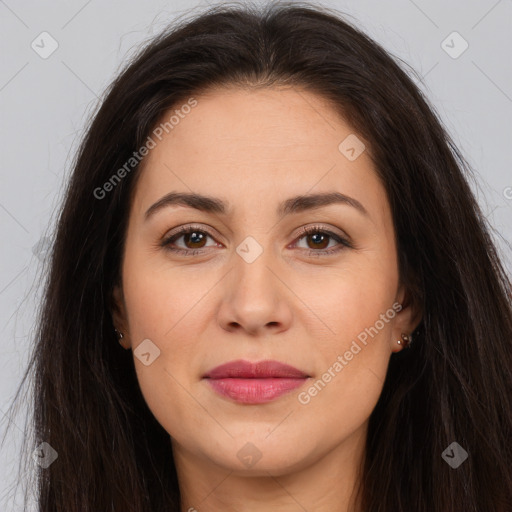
{"x":260,"y":370}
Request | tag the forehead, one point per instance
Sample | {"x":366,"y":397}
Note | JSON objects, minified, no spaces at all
{"x":242,"y":120}
{"x":236,"y":143}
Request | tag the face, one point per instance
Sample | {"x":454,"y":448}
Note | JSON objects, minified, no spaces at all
{"x":246,"y":282}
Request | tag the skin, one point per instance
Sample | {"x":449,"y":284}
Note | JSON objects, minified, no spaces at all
{"x":255,"y":149}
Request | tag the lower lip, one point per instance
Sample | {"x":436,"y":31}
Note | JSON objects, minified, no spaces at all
{"x":254,"y":391}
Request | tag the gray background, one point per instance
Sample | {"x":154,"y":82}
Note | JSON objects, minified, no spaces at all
{"x":45,"y":104}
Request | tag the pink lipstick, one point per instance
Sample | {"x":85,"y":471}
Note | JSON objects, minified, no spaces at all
{"x":255,"y":383}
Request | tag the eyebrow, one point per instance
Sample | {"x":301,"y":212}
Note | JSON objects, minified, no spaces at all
{"x":215,"y":205}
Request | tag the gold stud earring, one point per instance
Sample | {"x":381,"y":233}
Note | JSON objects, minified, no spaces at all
{"x":406,"y":340}
{"x":120,"y":336}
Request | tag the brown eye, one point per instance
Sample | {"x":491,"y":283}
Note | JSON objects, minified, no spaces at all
{"x":196,"y":238}
{"x":193,"y":239}
{"x":318,"y":241}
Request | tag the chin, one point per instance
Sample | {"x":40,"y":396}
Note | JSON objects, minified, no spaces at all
{"x":257,"y":456}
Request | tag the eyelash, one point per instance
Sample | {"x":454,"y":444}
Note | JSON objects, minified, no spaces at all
{"x":184,"y":230}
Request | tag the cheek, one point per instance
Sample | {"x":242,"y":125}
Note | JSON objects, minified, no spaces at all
{"x":162,"y":310}
{"x":352,"y":367}
{"x":159,"y":299}
{"x":349,"y":299}
{"x":355,"y":307}
{"x":165,"y":306}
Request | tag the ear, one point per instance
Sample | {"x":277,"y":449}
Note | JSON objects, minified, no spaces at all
{"x":407,"y":318}
{"x":119,"y":317}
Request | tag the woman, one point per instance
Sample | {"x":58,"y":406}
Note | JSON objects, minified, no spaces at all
{"x":310,"y":311}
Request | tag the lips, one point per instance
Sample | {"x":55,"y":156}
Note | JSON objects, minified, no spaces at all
{"x":261,"y":370}
{"x":254,"y":383}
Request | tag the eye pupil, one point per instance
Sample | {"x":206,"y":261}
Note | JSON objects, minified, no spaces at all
{"x":321,"y":238}
{"x":196,"y":235}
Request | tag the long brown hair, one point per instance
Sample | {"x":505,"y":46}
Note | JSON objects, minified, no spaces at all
{"x":453,"y":385}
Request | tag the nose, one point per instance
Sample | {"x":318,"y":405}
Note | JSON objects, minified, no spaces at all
{"x":255,"y":298}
